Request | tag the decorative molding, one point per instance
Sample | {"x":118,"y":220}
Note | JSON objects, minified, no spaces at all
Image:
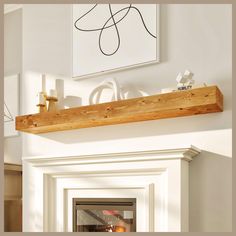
{"x":55,"y":216}
{"x":11,"y":7}
{"x":182,"y":153}
{"x":54,"y":177}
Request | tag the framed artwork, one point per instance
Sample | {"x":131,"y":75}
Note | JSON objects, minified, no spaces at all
{"x":11,"y":104}
{"x":110,"y":37}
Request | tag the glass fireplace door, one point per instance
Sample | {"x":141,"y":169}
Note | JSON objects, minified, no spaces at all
{"x":104,"y":214}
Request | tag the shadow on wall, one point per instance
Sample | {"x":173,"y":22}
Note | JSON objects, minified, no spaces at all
{"x":141,"y":129}
{"x":163,"y":32}
{"x":68,"y":101}
{"x":210,"y":199}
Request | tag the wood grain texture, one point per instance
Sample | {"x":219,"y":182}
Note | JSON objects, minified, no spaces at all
{"x":12,"y":182}
{"x":181,"y":103}
{"x":12,"y":167}
{"x":12,"y":198}
{"x":13,"y":216}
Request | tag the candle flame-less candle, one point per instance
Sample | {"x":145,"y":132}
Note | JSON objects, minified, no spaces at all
{"x":44,"y":83}
{"x":53,"y":93}
{"x":41,"y":99}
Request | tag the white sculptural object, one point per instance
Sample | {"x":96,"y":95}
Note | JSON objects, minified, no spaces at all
{"x":185,"y":81}
{"x":109,"y":83}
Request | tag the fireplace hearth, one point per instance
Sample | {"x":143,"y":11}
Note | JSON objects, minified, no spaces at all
{"x":104,"y":215}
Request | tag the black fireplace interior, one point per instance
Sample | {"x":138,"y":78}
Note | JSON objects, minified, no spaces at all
{"x":104,"y":215}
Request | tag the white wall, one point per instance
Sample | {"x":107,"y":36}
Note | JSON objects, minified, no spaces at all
{"x":197,"y":37}
{"x":13,"y":65}
{"x":210,"y":193}
{"x":47,"y":34}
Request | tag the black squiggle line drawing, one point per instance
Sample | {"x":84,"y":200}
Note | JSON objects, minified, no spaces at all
{"x":114,"y":24}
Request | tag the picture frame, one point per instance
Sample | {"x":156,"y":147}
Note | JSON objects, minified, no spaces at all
{"x":95,"y":63}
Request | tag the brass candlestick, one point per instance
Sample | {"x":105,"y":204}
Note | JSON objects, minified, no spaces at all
{"x":52,"y":106}
{"x":42,"y":108}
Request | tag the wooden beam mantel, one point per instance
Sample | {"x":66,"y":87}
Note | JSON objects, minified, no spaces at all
{"x":181,"y":103}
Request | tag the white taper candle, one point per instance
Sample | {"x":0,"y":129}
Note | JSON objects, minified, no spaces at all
{"x":44,"y":83}
{"x":41,"y":98}
{"x":53,"y":93}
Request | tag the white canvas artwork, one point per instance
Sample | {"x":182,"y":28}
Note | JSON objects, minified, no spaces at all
{"x":11,"y":104}
{"x":109,"y":37}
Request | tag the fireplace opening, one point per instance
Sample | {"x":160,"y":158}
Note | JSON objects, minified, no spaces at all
{"x":104,"y":215}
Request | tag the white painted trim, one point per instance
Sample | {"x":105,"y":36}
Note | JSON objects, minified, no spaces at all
{"x":184,"y":196}
{"x":45,"y":176}
{"x":11,"y":7}
{"x":181,"y":153}
{"x":55,"y":216}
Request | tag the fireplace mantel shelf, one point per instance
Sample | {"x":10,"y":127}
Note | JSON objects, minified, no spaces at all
{"x":184,"y":153}
{"x":176,"y":104}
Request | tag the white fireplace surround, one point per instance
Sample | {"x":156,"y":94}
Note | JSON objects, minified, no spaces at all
{"x":158,"y":179}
